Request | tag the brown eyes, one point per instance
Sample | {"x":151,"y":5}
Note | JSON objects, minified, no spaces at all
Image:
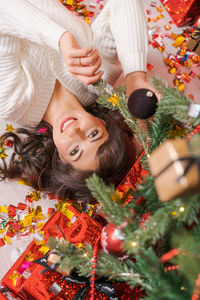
{"x":93,"y":133}
{"x":91,"y":136}
{"x":74,"y":151}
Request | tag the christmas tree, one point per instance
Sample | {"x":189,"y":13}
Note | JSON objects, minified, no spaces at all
{"x":157,"y":244}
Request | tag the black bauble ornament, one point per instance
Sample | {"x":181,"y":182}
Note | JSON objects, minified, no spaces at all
{"x":142,"y":103}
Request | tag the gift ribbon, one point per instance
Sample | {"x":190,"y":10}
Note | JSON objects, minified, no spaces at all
{"x":196,"y":36}
{"x":191,"y":160}
{"x":100,"y":284}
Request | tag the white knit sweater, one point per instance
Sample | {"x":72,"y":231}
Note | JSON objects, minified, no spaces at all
{"x":30,"y":60}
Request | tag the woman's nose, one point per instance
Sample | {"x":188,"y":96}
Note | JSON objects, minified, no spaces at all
{"x":77,"y":131}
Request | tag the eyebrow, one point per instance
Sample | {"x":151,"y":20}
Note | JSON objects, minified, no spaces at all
{"x":98,"y":138}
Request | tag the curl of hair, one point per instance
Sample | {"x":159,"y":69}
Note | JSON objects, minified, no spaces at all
{"x":44,"y":170}
{"x":32,"y":156}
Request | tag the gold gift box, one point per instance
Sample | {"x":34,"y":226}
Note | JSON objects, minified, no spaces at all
{"x":193,"y":43}
{"x":166,"y":168}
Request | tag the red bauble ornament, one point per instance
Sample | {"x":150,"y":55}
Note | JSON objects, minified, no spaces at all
{"x":111,"y":240}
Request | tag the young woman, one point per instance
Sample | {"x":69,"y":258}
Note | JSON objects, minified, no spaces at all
{"x":48,"y":61}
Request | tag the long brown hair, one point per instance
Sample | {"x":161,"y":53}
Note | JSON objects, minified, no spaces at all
{"x":36,"y":158}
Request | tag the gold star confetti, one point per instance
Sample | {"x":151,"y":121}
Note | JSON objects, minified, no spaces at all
{"x":9,"y":128}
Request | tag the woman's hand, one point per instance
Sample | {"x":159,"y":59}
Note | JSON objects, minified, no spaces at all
{"x":82,"y":63}
{"x":137,"y":80}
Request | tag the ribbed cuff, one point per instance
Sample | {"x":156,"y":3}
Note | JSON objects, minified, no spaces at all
{"x":8,"y":44}
{"x":133,"y":61}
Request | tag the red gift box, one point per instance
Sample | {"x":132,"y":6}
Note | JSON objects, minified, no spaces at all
{"x":2,"y":297}
{"x":5,"y":294}
{"x":183,"y":12}
{"x":197,"y":23}
{"x":75,"y":226}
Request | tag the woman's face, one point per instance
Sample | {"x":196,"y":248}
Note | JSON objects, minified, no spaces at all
{"x":77,"y":136}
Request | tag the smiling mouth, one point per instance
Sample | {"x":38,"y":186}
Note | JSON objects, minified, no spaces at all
{"x":66,"y":123}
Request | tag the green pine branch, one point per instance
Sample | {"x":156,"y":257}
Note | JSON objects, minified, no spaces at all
{"x":105,"y":194}
{"x":174,"y":103}
{"x":104,"y":94}
{"x":188,"y":259}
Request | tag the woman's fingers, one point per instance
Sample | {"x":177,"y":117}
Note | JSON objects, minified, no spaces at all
{"x":89,"y":60}
{"x":83,"y":60}
{"x":85,"y":70}
{"x":74,"y":53}
{"x":89,"y":79}
{"x":82,"y":63}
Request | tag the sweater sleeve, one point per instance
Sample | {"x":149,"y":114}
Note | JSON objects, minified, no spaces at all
{"x":129,"y":28}
{"x":21,"y":19}
{"x":16,"y":87}
{"x":120,"y":31}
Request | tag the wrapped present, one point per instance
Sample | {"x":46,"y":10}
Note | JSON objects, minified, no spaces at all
{"x":175,"y":169}
{"x":193,"y":43}
{"x":133,"y":177}
{"x":2,"y":297}
{"x":197,"y":23}
{"x":72,"y":225}
{"x":49,"y":285}
{"x":6,"y":294}
{"x":183,"y":12}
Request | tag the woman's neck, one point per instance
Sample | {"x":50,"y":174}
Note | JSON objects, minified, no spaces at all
{"x":61,"y":100}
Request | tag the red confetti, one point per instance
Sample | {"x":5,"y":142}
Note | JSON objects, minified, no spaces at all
{"x":10,"y":233}
{"x":149,"y":67}
{"x":28,"y":199}
{"x":8,"y":143}
{"x":2,"y":243}
{"x":51,"y":196}
{"x":11,"y":211}
{"x":191,"y":96}
{"x":21,"y":206}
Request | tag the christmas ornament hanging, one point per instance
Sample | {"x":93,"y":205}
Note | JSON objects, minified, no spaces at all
{"x":142,"y":103}
{"x":111,"y":240}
